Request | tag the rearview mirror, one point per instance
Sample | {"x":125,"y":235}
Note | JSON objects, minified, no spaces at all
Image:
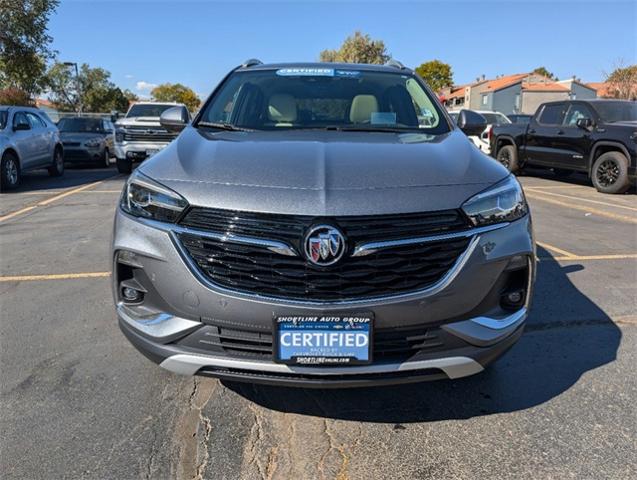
{"x":471,"y":123}
{"x":174,"y":119}
{"x":584,"y":123}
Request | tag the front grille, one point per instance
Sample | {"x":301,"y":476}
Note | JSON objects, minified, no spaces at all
{"x":71,"y":144}
{"x":253,"y":269}
{"x":357,"y":229}
{"x":149,"y":134}
{"x":396,"y":344}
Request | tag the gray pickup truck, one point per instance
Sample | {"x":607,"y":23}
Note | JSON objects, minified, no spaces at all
{"x":139,"y":134}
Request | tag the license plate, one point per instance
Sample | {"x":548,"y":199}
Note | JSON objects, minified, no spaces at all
{"x":323,"y":339}
{"x":150,"y":153}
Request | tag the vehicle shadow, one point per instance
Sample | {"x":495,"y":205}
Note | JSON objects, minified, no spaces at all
{"x":576,"y":178}
{"x":36,"y":180}
{"x":567,"y":335}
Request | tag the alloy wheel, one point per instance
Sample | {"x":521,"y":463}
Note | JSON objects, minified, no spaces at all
{"x":607,"y":173}
{"x":11,"y":171}
{"x":504,"y":158}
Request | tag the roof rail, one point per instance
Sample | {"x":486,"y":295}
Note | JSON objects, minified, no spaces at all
{"x":395,"y":63}
{"x":251,"y":63}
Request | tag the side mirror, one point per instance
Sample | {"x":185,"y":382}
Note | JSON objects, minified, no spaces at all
{"x":584,"y":123}
{"x":21,"y":126}
{"x":174,"y":119}
{"x":471,"y":123}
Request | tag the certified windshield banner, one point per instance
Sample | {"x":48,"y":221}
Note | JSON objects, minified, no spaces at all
{"x":316,"y":72}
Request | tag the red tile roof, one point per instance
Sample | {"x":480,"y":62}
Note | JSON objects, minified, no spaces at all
{"x":603,"y":89}
{"x":505,"y":81}
{"x":544,"y":87}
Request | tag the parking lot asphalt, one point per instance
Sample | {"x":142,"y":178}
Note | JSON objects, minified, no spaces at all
{"x":78,"y":401}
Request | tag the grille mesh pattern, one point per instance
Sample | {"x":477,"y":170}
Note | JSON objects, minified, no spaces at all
{"x":291,"y":228}
{"x":148,"y":134}
{"x":388,"y":272}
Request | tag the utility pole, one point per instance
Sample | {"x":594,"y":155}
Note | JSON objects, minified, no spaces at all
{"x":77,"y":85}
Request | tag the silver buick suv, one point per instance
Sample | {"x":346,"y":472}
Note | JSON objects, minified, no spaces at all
{"x":322,"y":225}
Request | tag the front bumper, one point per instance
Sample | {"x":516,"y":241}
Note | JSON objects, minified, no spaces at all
{"x":82,"y":154}
{"x":178,"y":306}
{"x":137,"y":151}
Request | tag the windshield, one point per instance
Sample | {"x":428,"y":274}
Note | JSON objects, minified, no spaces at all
{"x":495,"y":118}
{"x":311,"y":98}
{"x":617,"y":111}
{"x":84,"y":125}
{"x":147,"y":110}
{"x":3,"y":119}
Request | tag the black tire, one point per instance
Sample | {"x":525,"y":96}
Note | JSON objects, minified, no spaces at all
{"x":57,"y":169}
{"x":610,"y":173}
{"x":9,"y":172}
{"x":124,"y":165}
{"x":508,"y":157}
{"x":105,"y":161}
{"x":562,"y":172}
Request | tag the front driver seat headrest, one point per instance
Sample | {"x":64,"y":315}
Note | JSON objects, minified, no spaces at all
{"x":282,"y":109}
{"x":362,"y":108}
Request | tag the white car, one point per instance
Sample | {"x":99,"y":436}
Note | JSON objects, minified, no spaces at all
{"x":483,"y":142}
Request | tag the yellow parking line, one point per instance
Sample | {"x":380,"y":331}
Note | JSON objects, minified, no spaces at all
{"x":556,"y":250}
{"x":550,"y":187}
{"x":614,"y":205}
{"x":601,"y":213}
{"x":597,"y":257}
{"x":46,"y":202}
{"x":59,"y":276}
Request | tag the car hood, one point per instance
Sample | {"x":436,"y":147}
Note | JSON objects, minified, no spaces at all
{"x":79,"y":136}
{"x":139,"y":121}
{"x":624,"y":123}
{"x":324,"y":173}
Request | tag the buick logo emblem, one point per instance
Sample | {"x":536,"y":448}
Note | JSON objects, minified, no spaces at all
{"x":324,"y":245}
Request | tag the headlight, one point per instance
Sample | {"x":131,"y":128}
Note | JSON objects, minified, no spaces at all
{"x":142,"y":197}
{"x":93,"y":143}
{"x":504,"y":202}
{"x":119,"y":135}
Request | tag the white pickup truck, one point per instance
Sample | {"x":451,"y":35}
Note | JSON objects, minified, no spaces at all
{"x":139,"y":134}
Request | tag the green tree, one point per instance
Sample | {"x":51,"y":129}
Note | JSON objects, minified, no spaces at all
{"x":176,"y":92}
{"x":93,"y":91}
{"x":545,"y":72}
{"x":358,"y":48}
{"x":437,"y":74}
{"x":24,"y":43}
{"x":623,"y":82}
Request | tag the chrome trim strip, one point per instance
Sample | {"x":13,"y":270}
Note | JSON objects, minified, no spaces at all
{"x":158,"y":326}
{"x":272,"y":245}
{"x":186,"y":364}
{"x":501,"y":323}
{"x":432,"y":290}
{"x":367,"y":248}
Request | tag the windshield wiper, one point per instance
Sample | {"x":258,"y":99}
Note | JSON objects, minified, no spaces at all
{"x":363,"y":128}
{"x":224,"y":126}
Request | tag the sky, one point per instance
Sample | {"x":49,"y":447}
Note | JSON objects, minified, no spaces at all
{"x":145,"y":43}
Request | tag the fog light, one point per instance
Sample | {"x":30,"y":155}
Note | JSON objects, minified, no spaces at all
{"x":131,"y":295}
{"x":514,"y":297}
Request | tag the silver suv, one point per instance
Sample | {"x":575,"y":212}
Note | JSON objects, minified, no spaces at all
{"x":28,"y":140}
{"x":139,"y":134}
{"x":323,"y":225}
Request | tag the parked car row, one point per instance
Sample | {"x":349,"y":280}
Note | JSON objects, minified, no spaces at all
{"x":597,"y":137}
{"x":30,"y":140}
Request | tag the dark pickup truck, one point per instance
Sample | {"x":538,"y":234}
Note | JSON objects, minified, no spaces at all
{"x":598,"y":137}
